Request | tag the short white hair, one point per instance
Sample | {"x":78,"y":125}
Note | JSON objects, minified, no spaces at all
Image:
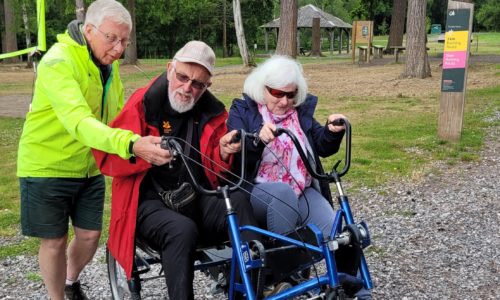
{"x":101,"y":9}
{"x":276,"y":72}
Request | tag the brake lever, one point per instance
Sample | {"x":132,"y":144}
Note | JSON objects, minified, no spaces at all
{"x":336,"y":165}
{"x":166,"y":145}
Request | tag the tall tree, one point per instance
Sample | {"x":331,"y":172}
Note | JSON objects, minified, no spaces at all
{"x":396,"y":30}
{"x":27,"y":32}
{"x":131,"y":51}
{"x":80,"y":10}
{"x":2,"y":30}
{"x":240,"y":34}
{"x":224,"y":28}
{"x":316,"y":38}
{"x":417,"y":60}
{"x":489,"y":15}
{"x":287,"y":38}
{"x":10,"y":30}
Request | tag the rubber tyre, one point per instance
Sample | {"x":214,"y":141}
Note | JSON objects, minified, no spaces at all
{"x":117,"y":278}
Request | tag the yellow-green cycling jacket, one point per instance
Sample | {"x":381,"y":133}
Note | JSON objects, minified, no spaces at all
{"x":68,"y":114}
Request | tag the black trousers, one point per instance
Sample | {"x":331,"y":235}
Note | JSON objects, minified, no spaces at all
{"x":175,"y":235}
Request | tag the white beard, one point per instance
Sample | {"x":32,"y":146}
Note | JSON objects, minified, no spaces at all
{"x":180,"y":106}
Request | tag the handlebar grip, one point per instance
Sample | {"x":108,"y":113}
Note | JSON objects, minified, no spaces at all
{"x":279,"y":131}
{"x":337,"y":122}
{"x":236,"y":138}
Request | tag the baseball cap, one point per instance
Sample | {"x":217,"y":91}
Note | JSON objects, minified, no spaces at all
{"x":199,"y":53}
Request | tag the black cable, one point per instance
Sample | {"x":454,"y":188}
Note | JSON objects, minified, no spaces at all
{"x":244,"y":190}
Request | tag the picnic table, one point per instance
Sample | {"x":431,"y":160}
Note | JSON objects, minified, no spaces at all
{"x":363,"y":53}
{"x":378,"y":51}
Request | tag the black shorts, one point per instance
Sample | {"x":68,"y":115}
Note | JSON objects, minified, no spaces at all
{"x":48,"y":203}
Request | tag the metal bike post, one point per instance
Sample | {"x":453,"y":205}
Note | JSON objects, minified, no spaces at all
{"x":236,"y":243}
{"x":344,"y":204}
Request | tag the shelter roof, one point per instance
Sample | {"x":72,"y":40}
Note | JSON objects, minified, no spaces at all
{"x":305,"y":17}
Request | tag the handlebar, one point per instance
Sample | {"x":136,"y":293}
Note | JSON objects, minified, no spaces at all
{"x":330,"y":176}
{"x":170,"y":143}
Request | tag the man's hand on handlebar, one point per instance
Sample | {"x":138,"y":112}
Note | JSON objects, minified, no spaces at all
{"x":148,"y":148}
{"x":229,"y":144}
{"x":334,"y":124}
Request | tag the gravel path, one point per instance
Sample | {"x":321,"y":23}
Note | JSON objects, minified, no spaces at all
{"x":438,"y":238}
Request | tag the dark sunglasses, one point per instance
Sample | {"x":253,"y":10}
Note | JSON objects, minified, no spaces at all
{"x":194,"y":83}
{"x":280,"y":94}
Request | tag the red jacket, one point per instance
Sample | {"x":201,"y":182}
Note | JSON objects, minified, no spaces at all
{"x":127,"y":176}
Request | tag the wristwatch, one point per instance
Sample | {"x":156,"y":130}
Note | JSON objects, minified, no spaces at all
{"x":131,"y":148}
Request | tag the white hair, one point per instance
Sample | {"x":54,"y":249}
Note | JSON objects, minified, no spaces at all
{"x":276,"y":72}
{"x":101,"y":9}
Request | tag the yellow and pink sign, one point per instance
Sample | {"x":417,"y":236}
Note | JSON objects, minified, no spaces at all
{"x":456,"y":49}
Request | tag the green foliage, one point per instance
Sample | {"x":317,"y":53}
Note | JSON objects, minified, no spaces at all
{"x":164,"y":26}
{"x":489,"y":15}
{"x":383,"y":28}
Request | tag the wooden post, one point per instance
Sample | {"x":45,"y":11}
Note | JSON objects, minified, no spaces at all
{"x":298,"y":41}
{"x":353,"y":43}
{"x":340,"y":42}
{"x":266,"y":40}
{"x":455,"y":64}
{"x":370,"y":40}
{"x":347,"y":35}
{"x":332,"y":37}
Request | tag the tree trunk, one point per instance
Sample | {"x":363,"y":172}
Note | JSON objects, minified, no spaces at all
{"x":396,"y":30}
{"x":417,"y":61}
{"x":200,"y":27}
{"x":80,"y":10}
{"x":316,"y":38}
{"x":224,"y":28}
{"x":10,"y":31}
{"x":240,"y":34}
{"x":131,"y":51}
{"x":27,"y":32}
{"x":287,"y":38}
{"x":2,"y":32}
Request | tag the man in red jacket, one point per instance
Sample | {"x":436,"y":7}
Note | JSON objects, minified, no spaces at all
{"x":176,"y":103}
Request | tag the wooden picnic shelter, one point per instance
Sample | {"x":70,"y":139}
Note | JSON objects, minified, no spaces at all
{"x":305,"y":16}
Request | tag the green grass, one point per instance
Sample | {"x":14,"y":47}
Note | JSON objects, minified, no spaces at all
{"x":10,"y":130}
{"x":35,"y":277}
{"x":15,"y":88}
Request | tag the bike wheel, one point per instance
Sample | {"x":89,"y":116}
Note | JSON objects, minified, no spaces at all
{"x":117,"y":279}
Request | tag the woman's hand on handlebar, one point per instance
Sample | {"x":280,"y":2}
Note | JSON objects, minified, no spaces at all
{"x":148,"y":148}
{"x":267,"y":133}
{"x":229,"y":145}
{"x":332,"y":126}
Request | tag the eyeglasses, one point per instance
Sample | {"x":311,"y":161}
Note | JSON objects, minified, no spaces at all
{"x":194,"y":83}
{"x":280,"y":94}
{"x":113,"y":38}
